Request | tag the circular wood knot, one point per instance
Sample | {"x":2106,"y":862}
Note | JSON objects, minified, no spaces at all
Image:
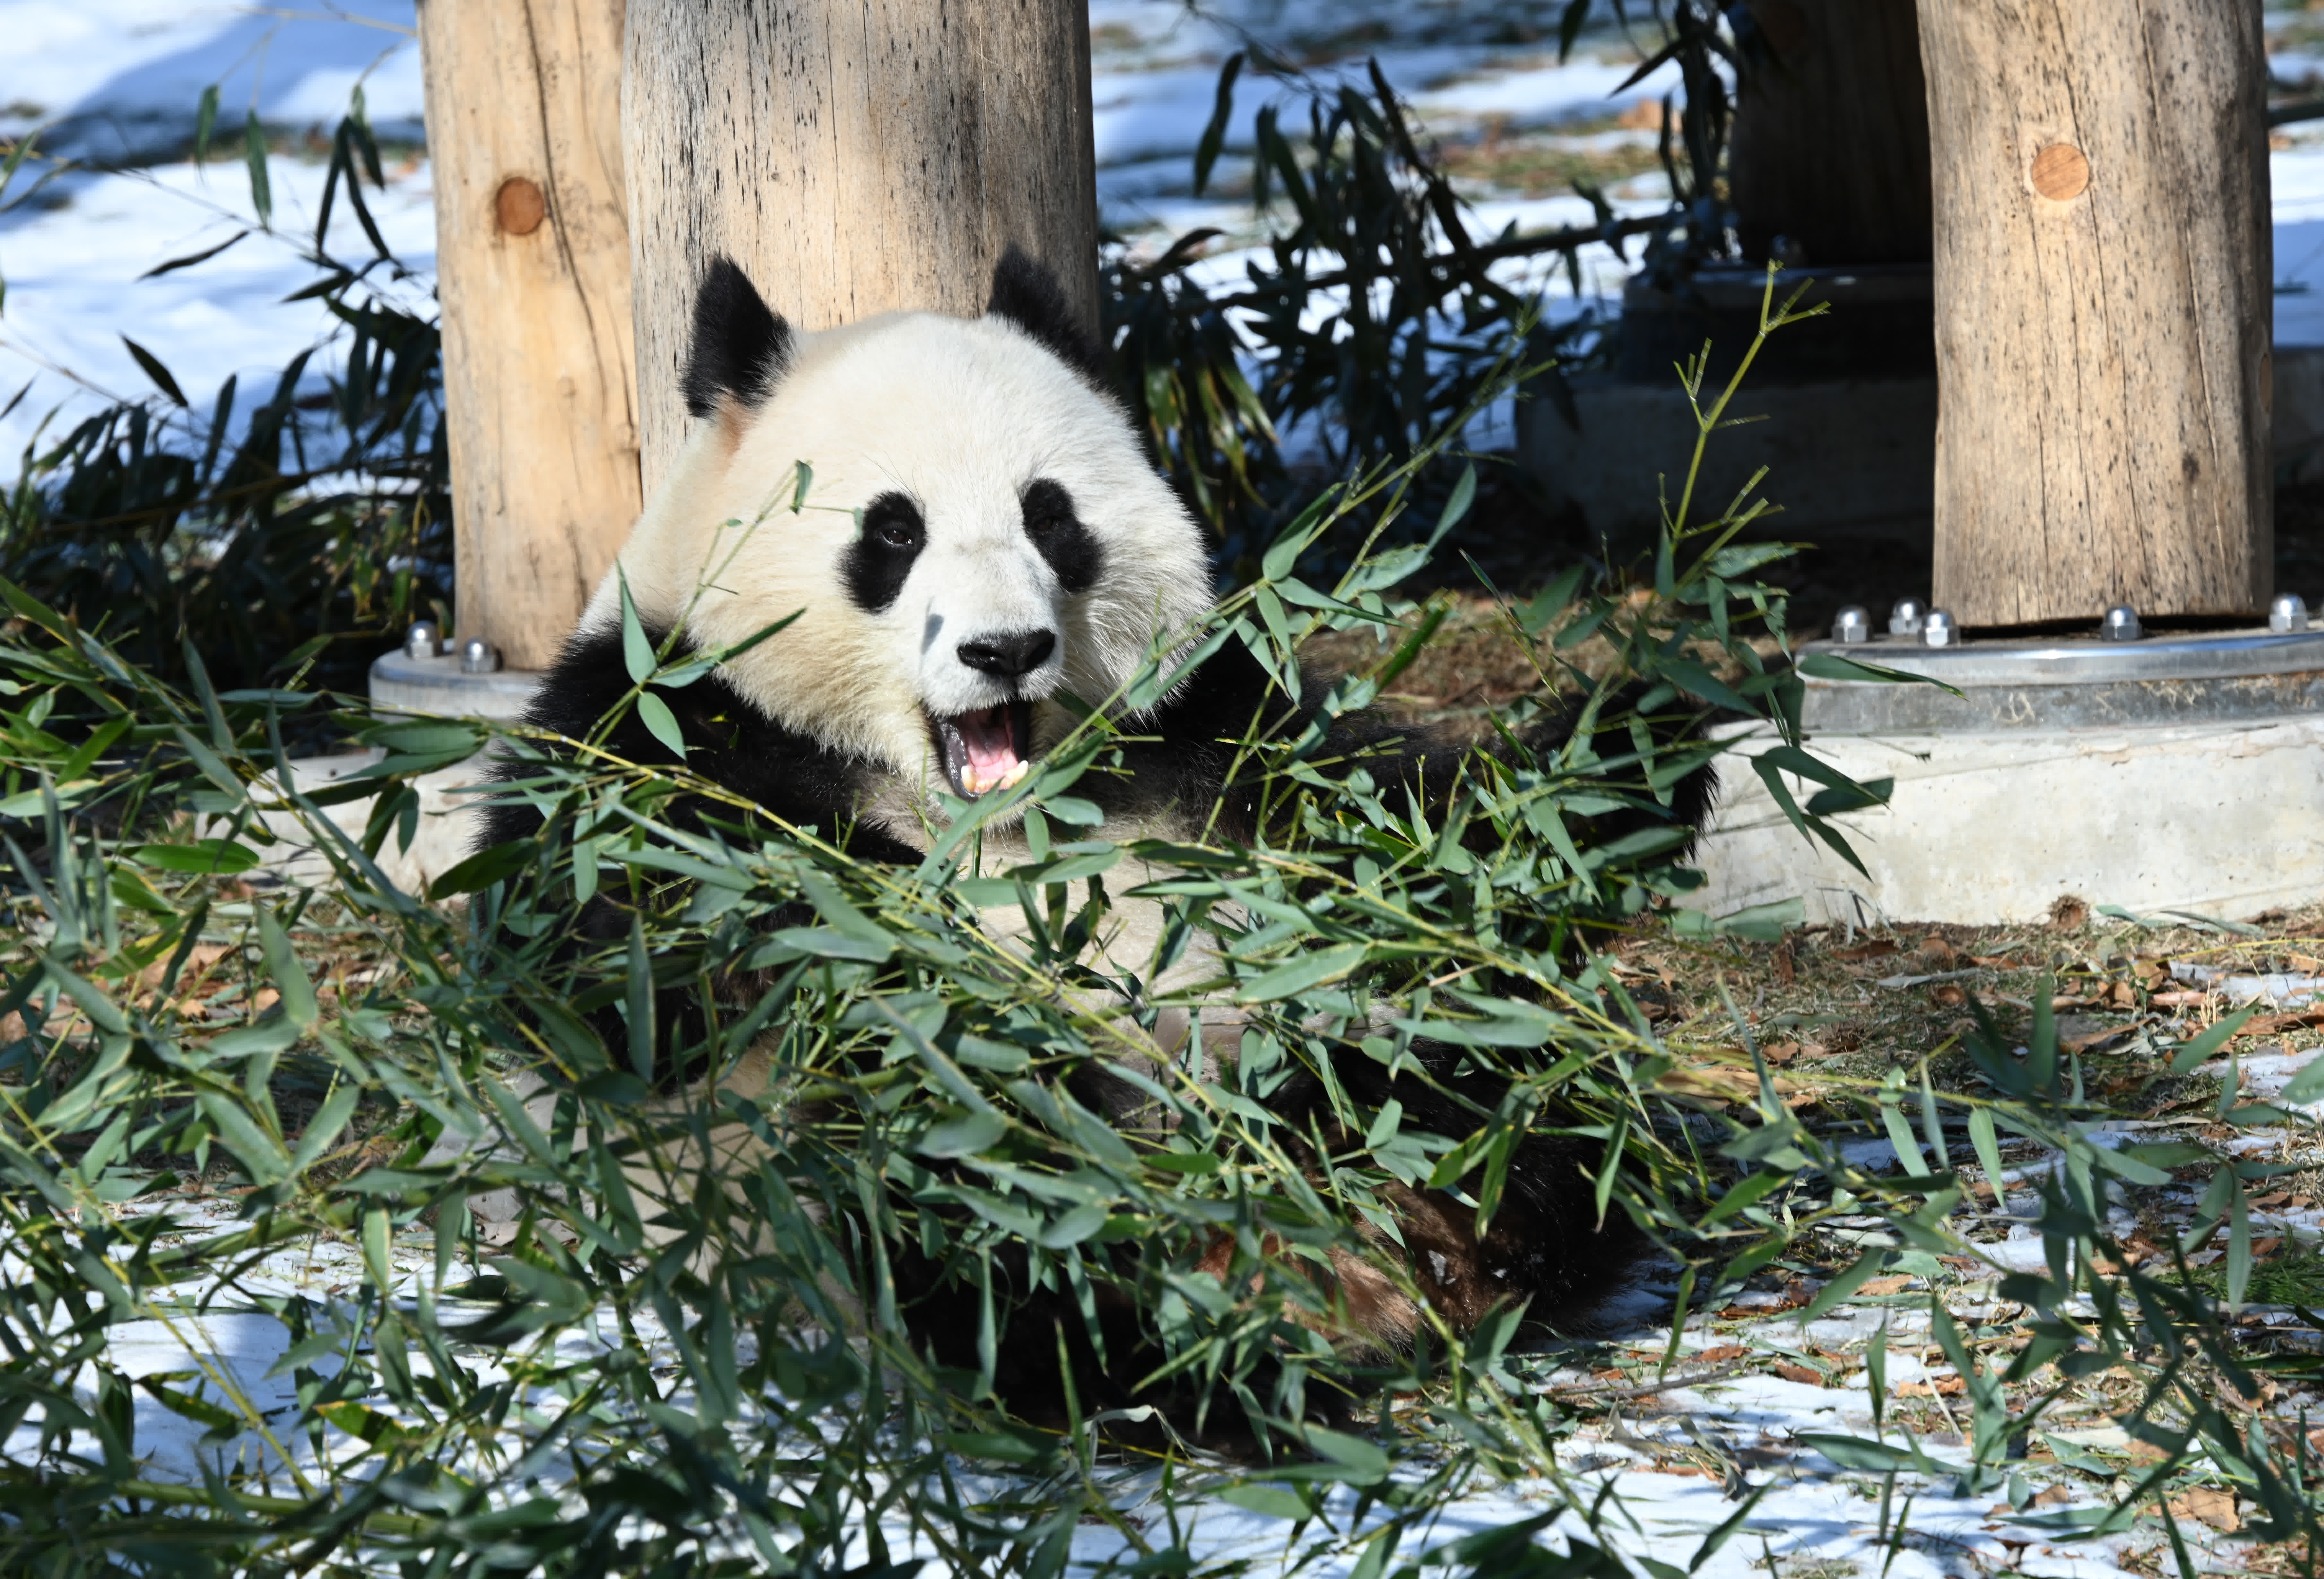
{"x":2061,"y":172}
{"x":519,"y":207}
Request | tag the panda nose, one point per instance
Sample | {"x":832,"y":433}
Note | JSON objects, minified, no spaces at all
{"x":1009,"y":655}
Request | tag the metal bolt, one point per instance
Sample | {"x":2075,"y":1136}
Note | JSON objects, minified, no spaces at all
{"x":423,"y":640}
{"x":2121,"y":624}
{"x":1906,"y":618}
{"x":2288,"y":612}
{"x":478,"y":656}
{"x":1938,"y":630}
{"x":1852,"y":624}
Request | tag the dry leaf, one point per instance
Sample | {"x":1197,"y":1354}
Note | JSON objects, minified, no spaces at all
{"x":2082,"y":1041}
{"x":2307,"y":962}
{"x":1805,"y":1375}
{"x":2067,"y":913}
{"x":1949,"y":994}
{"x":198,"y":961}
{"x":2267,"y":1024}
{"x":1896,"y":1285}
{"x":1787,"y":969}
{"x":1938,"y":951}
{"x":266,"y":999}
{"x":1725,"y":1083}
{"x":1950,"y":1386}
{"x":2185,"y":998}
{"x":1871,"y":951}
{"x":1719,"y":1353}
{"x":2208,"y":1505}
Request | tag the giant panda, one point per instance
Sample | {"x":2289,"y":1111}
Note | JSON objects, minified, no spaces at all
{"x":986,"y":535}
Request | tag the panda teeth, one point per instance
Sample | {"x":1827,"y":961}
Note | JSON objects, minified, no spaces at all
{"x":999,"y":736}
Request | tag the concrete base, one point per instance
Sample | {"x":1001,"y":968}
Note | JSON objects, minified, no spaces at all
{"x":1849,"y":459}
{"x":1983,"y":829}
{"x":401,"y":683}
{"x":441,"y":842}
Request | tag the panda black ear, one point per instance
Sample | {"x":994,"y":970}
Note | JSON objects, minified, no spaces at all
{"x":741,"y":345}
{"x":1029,"y":296}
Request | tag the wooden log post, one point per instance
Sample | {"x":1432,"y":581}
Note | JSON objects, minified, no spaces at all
{"x":854,"y":156}
{"x":533,"y":276}
{"x":2103,"y":277}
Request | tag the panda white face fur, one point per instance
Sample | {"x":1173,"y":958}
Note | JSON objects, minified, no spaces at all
{"x":983,"y":532}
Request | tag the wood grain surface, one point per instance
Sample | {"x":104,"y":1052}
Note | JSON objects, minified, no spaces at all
{"x":2103,"y":271}
{"x":855,"y":156}
{"x":533,"y":275}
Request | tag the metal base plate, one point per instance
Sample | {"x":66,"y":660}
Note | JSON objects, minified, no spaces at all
{"x":401,"y":682}
{"x":2071,"y":683}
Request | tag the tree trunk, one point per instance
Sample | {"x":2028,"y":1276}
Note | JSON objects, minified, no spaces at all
{"x":1831,"y":145}
{"x":2103,"y":275}
{"x":854,"y":156}
{"x":533,"y":275}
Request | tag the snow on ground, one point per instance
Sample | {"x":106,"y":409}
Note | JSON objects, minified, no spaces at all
{"x":119,"y":79}
{"x":219,"y":1344}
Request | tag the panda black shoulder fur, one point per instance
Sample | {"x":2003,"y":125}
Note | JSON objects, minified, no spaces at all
{"x":1016,"y":543}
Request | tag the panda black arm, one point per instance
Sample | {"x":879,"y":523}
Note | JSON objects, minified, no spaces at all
{"x":729,"y":742}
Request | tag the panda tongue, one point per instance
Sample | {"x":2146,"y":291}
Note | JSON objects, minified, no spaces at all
{"x":989,"y":751}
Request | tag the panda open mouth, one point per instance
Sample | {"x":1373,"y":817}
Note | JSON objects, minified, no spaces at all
{"x":986,"y":749}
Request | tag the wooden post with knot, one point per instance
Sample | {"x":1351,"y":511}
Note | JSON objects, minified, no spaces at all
{"x":533,"y":276}
{"x":2104,"y":280}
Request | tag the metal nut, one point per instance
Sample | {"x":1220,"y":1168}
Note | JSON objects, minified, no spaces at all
{"x":478,"y":656}
{"x":1938,"y":630}
{"x":2121,"y":624}
{"x":1906,"y":618}
{"x":422,"y":640}
{"x":2288,"y":612}
{"x":1852,"y":624}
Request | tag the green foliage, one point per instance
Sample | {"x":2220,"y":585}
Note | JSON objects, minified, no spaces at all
{"x":705,"y":1281}
{"x":1373,"y":318}
{"x":277,"y":532}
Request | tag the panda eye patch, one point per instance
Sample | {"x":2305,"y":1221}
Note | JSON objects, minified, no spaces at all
{"x":1058,"y":536}
{"x":874,"y":566}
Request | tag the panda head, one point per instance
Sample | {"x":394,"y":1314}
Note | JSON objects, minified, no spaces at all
{"x":983,"y":530}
